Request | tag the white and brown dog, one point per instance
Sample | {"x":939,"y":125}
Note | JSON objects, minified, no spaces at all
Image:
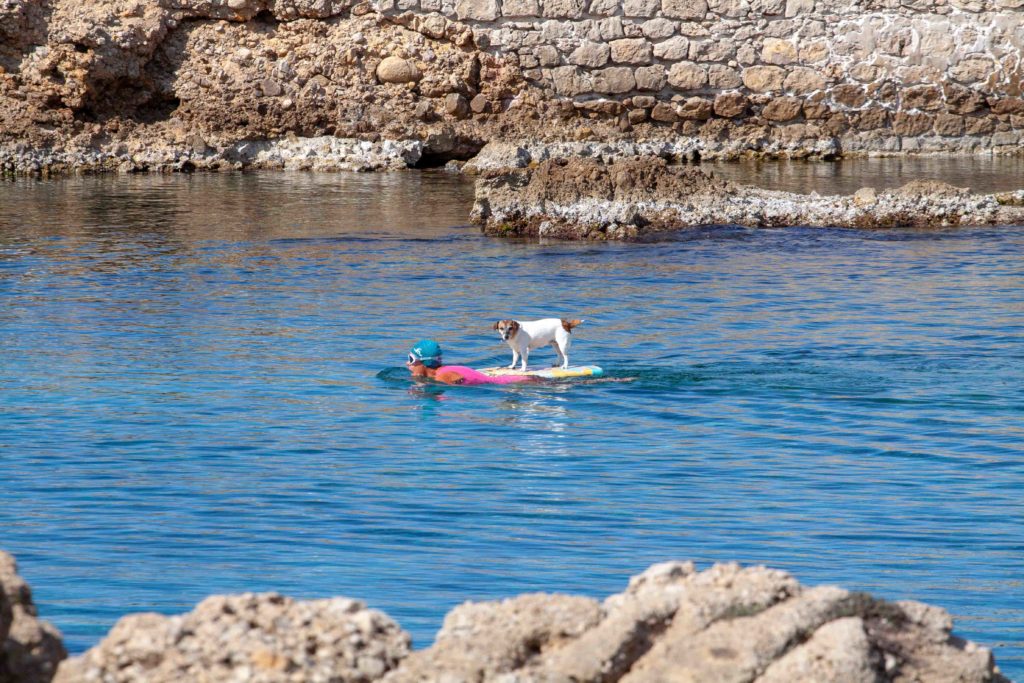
{"x":533,"y":334}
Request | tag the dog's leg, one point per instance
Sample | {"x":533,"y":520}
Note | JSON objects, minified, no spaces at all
{"x":564,"y":351}
{"x":558,"y":350}
{"x":525,"y":355}
{"x":515,"y":359}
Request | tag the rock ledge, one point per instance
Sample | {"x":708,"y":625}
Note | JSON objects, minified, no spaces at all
{"x":627,"y":197}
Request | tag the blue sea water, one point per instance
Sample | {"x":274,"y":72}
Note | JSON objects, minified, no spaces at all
{"x":201,"y":392}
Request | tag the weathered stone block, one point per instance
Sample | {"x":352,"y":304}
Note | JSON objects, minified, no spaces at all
{"x":871,"y":119}
{"x":650,"y":77}
{"x":764,"y":78}
{"x":912,"y":124}
{"x":849,"y":95}
{"x":925,"y":97}
{"x":640,"y":8}
{"x":570,"y":81}
{"x":865,"y":73}
{"x":795,"y":7}
{"x":590,"y":54}
{"x":658,"y":28}
{"x":687,"y":76}
{"x":477,"y":10}
{"x":631,"y":51}
{"x":695,"y":109}
{"x":712,"y":50}
{"x":664,"y":112}
{"x":604,"y":7}
{"x":802,"y":81}
{"x":672,"y":49}
{"x":606,"y":29}
{"x":961,"y":100}
{"x":776,"y":51}
{"x":548,"y":56}
{"x":814,"y":52}
{"x":972,"y":70}
{"x":564,"y":9}
{"x":730,"y":104}
{"x":784,"y":108}
{"x":729,"y":8}
{"x":1008,"y":105}
{"x":816,"y":110}
{"x":979,"y":125}
{"x":636,"y":116}
{"x":693,"y":10}
{"x":722,"y":77}
{"x":520,"y":8}
{"x":949,"y":124}
{"x":614,"y":80}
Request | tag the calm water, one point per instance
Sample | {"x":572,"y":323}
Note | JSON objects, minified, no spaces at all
{"x":200,"y":393}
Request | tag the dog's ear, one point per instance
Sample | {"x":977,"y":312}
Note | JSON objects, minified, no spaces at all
{"x":496,"y":325}
{"x":513,"y":325}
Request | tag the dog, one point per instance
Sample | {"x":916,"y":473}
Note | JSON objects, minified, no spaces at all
{"x":533,"y":334}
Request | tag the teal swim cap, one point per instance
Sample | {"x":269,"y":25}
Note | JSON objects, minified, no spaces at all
{"x":428,"y":352}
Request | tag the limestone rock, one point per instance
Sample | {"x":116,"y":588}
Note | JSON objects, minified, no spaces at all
{"x":30,"y":648}
{"x":730,"y":104}
{"x":478,"y":10}
{"x":614,"y":79}
{"x":777,"y":51}
{"x":690,"y":10}
{"x":721,"y":77}
{"x":397,"y":70}
{"x":783,"y":108}
{"x":650,"y":77}
{"x":764,"y":78}
{"x":456,"y":105}
{"x":687,"y":76}
{"x":253,"y":637}
{"x":591,"y":54}
{"x":583,"y":198}
{"x":677,"y":47}
{"x":640,"y":8}
{"x":564,"y":9}
{"x":802,"y":81}
{"x":631,"y":51}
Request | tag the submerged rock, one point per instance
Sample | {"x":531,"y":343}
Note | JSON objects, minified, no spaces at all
{"x":622,"y":198}
{"x":672,"y":623}
{"x":30,"y":648}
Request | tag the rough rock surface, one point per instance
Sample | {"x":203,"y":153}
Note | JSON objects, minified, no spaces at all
{"x":250,"y":637}
{"x":136,"y":85}
{"x":672,"y":623}
{"x":624,"y":198}
{"x":30,"y":648}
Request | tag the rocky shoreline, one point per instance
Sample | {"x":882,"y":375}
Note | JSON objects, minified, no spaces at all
{"x":163,"y":85}
{"x":628,"y":198}
{"x":671,"y":623}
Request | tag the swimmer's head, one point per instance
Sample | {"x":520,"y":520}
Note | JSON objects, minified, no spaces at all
{"x":427,"y":352}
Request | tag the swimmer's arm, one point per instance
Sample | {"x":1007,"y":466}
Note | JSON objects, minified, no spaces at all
{"x":449,"y":377}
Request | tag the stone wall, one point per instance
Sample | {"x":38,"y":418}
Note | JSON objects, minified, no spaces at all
{"x":881,"y":75}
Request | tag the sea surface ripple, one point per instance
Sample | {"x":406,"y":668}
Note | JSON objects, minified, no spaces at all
{"x":201,"y":392}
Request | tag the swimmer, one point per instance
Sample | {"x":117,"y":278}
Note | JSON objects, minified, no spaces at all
{"x":425,"y":361}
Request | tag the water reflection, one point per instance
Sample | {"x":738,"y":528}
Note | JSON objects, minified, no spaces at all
{"x":980,"y":173}
{"x":222,"y":371}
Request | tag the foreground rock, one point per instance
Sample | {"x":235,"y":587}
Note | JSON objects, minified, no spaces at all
{"x":672,"y":623}
{"x":624,"y":198}
{"x":30,"y":649}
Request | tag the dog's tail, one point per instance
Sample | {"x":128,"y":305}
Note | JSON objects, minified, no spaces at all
{"x":567,"y":325}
